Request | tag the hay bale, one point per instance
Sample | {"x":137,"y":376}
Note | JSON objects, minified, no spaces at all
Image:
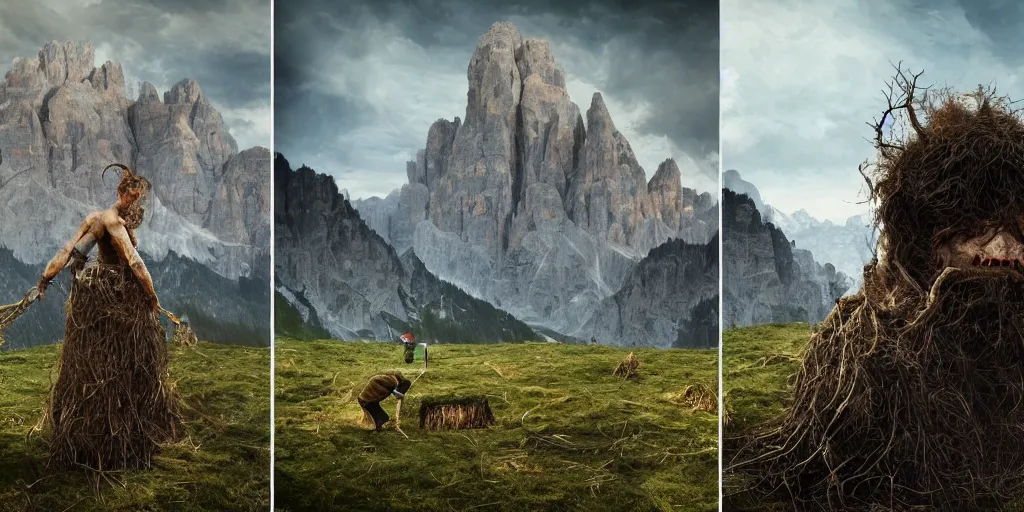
{"x":455,"y":413}
{"x":628,"y":367}
{"x":184,"y":336}
{"x":909,"y":394}
{"x":112,"y":405}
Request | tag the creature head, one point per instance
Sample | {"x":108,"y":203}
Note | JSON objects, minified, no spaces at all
{"x":132,"y":192}
{"x":952,"y":193}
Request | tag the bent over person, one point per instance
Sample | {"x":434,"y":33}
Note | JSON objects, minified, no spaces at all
{"x":377,"y":390}
{"x":112,"y":404}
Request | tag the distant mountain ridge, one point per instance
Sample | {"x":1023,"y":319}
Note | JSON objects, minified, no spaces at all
{"x":337,"y":273}
{"x":848,"y":246}
{"x":765,"y":279}
{"x":674,"y":277}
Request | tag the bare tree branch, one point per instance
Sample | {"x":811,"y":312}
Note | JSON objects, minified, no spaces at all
{"x":863,"y":170}
{"x":901,"y":93}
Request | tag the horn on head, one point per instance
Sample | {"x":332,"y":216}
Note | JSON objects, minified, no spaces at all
{"x":124,"y":168}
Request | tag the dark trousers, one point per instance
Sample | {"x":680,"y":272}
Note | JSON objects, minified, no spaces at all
{"x":376,"y":412}
{"x":410,"y":352}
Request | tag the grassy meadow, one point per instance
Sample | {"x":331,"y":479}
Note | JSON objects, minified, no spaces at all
{"x":222,"y":465}
{"x":568,"y":435}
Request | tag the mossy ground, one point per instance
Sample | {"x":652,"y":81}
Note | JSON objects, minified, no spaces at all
{"x":759,"y":364}
{"x":568,"y":435}
{"x":223,"y":464}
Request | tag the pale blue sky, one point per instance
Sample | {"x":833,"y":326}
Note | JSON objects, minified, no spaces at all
{"x":801,"y":78}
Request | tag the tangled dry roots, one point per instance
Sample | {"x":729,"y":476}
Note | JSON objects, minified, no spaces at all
{"x":455,"y":413}
{"x":112,"y":405}
{"x":911,"y":394}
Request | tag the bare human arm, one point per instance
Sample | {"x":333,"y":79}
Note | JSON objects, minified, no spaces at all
{"x":123,"y":244}
{"x":60,"y":260}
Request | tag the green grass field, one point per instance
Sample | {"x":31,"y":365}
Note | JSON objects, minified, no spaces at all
{"x":568,"y":435}
{"x":758,"y":363}
{"x":223,"y":464}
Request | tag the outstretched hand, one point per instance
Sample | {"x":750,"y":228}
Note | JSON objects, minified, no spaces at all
{"x":41,"y":288}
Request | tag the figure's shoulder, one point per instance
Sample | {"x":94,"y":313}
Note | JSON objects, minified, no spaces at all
{"x":109,"y":218}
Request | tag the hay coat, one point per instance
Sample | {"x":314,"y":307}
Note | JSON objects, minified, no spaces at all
{"x":381,"y":386}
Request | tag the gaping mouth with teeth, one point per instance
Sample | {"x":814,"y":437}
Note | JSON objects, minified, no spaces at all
{"x":995,"y":249}
{"x":1015,"y":264}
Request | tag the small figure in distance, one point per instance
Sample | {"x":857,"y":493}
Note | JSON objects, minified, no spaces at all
{"x":379,"y":388}
{"x":409,"y":343}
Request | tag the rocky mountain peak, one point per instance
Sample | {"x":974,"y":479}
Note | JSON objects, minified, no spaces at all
{"x":598,"y":117}
{"x":65,"y":120}
{"x":186,"y":91}
{"x":64,"y":62}
{"x":535,"y":60}
{"x":109,"y":78}
{"x":494,"y":84}
{"x":56,"y":64}
{"x":147,"y":93}
{"x":668,"y":178}
{"x":523,"y":191}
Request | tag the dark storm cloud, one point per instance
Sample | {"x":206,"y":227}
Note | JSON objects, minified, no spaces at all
{"x":1000,"y":20}
{"x":801,"y":79}
{"x":224,"y":45}
{"x":655,"y":62}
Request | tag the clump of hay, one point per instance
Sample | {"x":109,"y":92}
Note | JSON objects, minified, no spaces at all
{"x":112,"y":405}
{"x":910,"y":395}
{"x":455,"y":413}
{"x":628,"y":367}
{"x":184,"y":336}
{"x":698,"y":397}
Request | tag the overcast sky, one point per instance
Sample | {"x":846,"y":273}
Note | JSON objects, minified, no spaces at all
{"x":801,"y":79}
{"x":224,"y":45}
{"x":358,"y":83}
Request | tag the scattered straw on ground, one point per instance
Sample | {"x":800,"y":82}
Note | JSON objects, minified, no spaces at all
{"x":112,"y":405}
{"x":628,"y":367}
{"x":455,"y":413}
{"x":698,"y":397}
{"x":771,"y":359}
{"x":909,"y":396}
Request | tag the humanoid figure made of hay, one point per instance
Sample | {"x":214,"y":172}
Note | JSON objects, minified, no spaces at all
{"x":912,"y":393}
{"x":112,"y":404}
